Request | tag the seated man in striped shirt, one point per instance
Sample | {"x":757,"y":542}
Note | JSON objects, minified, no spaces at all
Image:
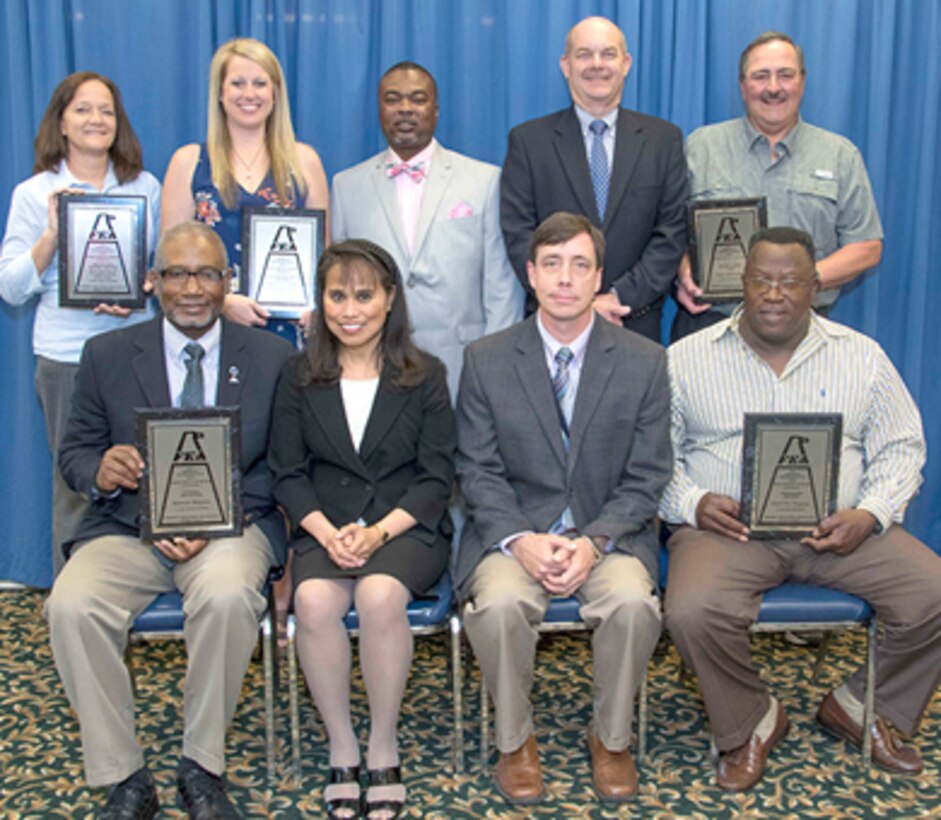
{"x":775,"y":355}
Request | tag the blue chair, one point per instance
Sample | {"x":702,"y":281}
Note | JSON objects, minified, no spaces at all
{"x":432,"y":614}
{"x":562,"y":616}
{"x":163,"y":620}
{"x":805,"y":608}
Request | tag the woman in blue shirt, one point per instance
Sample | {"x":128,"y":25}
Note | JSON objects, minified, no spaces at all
{"x":85,"y":143}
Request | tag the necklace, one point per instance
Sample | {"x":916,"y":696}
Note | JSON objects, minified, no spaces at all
{"x":249,"y":165}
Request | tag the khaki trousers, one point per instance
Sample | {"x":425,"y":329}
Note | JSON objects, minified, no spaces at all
{"x":505,"y":607}
{"x":714,"y":591}
{"x":106,"y":583}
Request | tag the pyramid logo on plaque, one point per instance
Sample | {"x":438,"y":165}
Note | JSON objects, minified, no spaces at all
{"x":728,"y":251}
{"x":102,"y":269}
{"x":282,"y":278}
{"x":190,"y":494}
{"x":792,"y":484}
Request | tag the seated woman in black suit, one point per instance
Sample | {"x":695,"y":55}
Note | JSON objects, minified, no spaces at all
{"x":362,"y":448}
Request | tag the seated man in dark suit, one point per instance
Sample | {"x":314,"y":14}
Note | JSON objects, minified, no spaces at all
{"x":563,"y":451}
{"x":775,"y":355}
{"x":190,"y":357}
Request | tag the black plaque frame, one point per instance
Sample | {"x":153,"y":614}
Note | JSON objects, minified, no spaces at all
{"x":709,"y":213}
{"x":157,"y":427}
{"x":823,"y":432}
{"x":262,"y":228}
{"x":126,"y":220}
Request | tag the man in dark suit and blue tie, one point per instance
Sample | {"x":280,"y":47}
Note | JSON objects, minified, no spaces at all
{"x":190,"y":357}
{"x":624,"y":170}
{"x":563,"y":452}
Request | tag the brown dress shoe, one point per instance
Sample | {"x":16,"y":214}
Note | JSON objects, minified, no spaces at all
{"x":519,"y":776}
{"x":743,"y":767}
{"x":613,"y":774}
{"x":887,"y":751}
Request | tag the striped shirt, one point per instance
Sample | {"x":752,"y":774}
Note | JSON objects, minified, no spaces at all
{"x":715,"y":378}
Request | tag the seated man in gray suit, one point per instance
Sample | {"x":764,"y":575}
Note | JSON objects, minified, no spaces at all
{"x":190,"y":357}
{"x":563,"y":452}
{"x":438,"y":214}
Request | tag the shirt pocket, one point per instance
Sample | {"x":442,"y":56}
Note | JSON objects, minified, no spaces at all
{"x":815,"y":206}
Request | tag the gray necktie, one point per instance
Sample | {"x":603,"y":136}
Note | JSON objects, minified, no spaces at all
{"x":600,"y":173}
{"x":193,"y":394}
{"x":561,"y":386}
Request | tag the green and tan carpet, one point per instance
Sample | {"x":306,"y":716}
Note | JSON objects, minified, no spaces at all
{"x":809,"y":776}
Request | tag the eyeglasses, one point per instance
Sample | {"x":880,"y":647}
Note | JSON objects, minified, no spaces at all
{"x":203,"y":276}
{"x":789,"y":286}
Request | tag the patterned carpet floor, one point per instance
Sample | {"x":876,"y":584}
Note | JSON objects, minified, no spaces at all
{"x":809,"y":776}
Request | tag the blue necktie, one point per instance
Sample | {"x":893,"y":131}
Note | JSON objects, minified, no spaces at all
{"x":560,"y":386}
{"x":600,"y":174}
{"x":193,"y":394}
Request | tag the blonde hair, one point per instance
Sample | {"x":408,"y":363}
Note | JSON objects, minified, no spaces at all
{"x":279,"y":133}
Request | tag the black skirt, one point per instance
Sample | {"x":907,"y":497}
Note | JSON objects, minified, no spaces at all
{"x":416,"y":564}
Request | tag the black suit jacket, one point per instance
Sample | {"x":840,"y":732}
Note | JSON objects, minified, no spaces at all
{"x":514,"y":472}
{"x":546,"y":170}
{"x":126,"y":368}
{"x":406,"y":457}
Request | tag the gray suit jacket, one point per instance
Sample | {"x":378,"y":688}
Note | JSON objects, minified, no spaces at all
{"x":513,"y":469}
{"x":459,"y":284}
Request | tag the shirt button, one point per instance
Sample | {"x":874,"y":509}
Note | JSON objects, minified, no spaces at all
{"x":345,"y":481}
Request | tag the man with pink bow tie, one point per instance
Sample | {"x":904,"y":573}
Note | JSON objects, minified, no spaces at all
{"x":437,"y":213}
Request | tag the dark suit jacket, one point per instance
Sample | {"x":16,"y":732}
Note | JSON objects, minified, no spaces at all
{"x":512,"y":467}
{"x":125,"y":369}
{"x":546,"y":170}
{"x":406,"y":457}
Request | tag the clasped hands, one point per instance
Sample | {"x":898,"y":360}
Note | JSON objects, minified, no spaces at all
{"x":841,"y":532}
{"x":352,"y":545}
{"x":560,"y":564}
{"x":121,"y":467}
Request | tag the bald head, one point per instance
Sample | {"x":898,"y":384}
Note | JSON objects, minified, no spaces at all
{"x":596,"y":63}
{"x":191,"y":232}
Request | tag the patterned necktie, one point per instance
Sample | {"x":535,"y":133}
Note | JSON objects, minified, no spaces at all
{"x":416,"y":171}
{"x":560,"y":386}
{"x":600,"y":174}
{"x":193,"y":394}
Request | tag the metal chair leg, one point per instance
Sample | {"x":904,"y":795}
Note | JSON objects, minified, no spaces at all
{"x":484,"y":725}
{"x":292,"y":694}
{"x":267,"y":627}
{"x":457,"y":682}
{"x":642,"y":719}
{"x":869,"y":701}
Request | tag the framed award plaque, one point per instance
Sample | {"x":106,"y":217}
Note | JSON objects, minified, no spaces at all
{"x":280,"y":250}
{"x":102,"y":250}
{"x":719,"y":232}
{"x":790,"y":472}
{"x":192,"y":481}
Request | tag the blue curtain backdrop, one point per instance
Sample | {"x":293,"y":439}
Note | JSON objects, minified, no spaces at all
{"x":873,"y":75}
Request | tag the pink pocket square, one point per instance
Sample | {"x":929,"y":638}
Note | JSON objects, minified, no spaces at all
{"x":460,"y":211}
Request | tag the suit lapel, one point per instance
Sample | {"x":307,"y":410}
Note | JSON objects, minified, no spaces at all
{"x":326,"y":406}
{"x":386,"y":408}
{"x":234,"y":365}
{"x":385,"y":193}
{"x":533,"y":374}
{"x":149,"y":364}
{"x":436,"y":183}
{"x":595,"y":375}
{"x":570,"y":146}
{"x":628,"y":143}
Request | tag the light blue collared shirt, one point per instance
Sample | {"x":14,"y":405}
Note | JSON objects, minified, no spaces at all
{"x":60,"y":333}
{"x":174,"y":342}
{"x":607,"y":139}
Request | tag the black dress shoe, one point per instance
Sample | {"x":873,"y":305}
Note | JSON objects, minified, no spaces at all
{"x":202,"y":794}
{"x":134,"y":798}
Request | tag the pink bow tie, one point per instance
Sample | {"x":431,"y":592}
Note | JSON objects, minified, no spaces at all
{"x":416,"y":172}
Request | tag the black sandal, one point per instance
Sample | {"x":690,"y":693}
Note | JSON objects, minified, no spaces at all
{"x":339,"y":775}
{"x":391,"y":776}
